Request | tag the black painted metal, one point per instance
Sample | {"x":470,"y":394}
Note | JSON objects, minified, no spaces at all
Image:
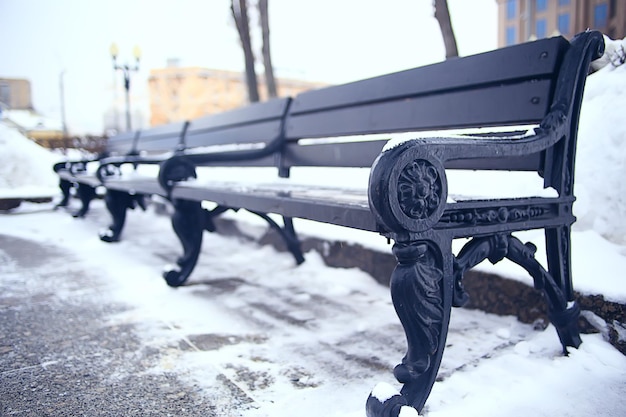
{"x":85,"y":193}
{"x":408,"y":194}
{"x":73,"y":172}
{"x":537,"y":83}
{"x":189,"y":221}
{"x":118,"y":202}
{"x":287,"y":232}
{"x":65,"y":187}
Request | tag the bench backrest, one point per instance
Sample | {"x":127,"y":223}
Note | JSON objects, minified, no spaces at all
{"x":258,"y":124}
{"x":526,"y":84}
{"x":124,"y":143}
{"x":507,"y":87}
{"x":162,"y":139}
{"x":156,"y":140}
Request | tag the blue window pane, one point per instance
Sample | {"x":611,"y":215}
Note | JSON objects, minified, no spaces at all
{"x":564,"y":23}
{"x":563,"y":2}
{"x":541,"y":5}
{"x":540,"y":28}
{"x":600,"y":15}
{"x":511,"y":9}
{"x":510,"y":35}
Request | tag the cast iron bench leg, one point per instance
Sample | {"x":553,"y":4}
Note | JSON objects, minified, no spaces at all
{"x":421,"y":290}
{"x":287,"y":233}
{"x":558,"y":246}
{"x":117,"y":203}
{"x":189,"y":221}
{"x":65,"y":187}
{"x":564,"y":317}
{"x":85,"y":193}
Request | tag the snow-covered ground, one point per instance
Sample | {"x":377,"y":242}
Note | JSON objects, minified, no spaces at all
{"x":257,"y":336}
{"x":278,"y":332}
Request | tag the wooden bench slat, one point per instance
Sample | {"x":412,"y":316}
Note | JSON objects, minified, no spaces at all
{"x":337,"y":154}
{"x":122,"y":143}
{"x":493,"y":106}
{"x":162,"y":138}
{"x":207,"y":129}
{"x":259,"y":132}
{"x":141,"y":186}
{"x":344,"y":207}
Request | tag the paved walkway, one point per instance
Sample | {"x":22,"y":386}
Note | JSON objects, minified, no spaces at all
{"x":56,"y":356}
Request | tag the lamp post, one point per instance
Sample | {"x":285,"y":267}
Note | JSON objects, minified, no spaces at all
{"x":126,"y":70}
{"x":62,"y":94}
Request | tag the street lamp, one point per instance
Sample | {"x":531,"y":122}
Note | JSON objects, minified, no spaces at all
{"x":126,"y":70}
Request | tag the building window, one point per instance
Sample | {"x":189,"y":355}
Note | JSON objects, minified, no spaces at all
{"x":540,"y":28}
{"x":600,"y":16}
{"x":563,"y":2}
{"x":511,"y":9}
{"x":563,"y":23}
{"x":541,"y":6}
{"x":511,"y":36}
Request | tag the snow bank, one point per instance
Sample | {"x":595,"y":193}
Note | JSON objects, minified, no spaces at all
{"x":30,"y":120}
{"x":614,"y":53}
{"x":601,"y":156}
{"x":25,"y":167}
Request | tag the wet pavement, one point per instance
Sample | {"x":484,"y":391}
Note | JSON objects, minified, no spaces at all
{"x":58,"y":357}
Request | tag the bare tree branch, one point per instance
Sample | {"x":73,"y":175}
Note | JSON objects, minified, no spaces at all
{"x":442,"y":14}
{"x":267,"y":58}
{"x":239,"y":9}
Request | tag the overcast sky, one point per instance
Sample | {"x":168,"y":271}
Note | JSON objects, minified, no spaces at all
{"x":322,"y":40}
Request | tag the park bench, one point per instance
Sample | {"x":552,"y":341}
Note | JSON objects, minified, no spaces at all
{"x":85,"y":176}
{"x":75,"y":173}
{"x":537,"y":84}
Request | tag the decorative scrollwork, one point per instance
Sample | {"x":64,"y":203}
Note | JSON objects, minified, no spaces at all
{"x":408,"y":188}
{"x":419,"y":189}
{"x":175,"y":169}
{"x":499,"y":215}
{"x":77,"y":167}
{"x":107,"y":171}
{"x":503,"y":245}
{"x":417,"y":292}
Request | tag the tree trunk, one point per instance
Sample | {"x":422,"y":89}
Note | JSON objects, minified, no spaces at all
{"x":442,"y":14}
{"x":239,"y":9}
{"x":267,"y":58}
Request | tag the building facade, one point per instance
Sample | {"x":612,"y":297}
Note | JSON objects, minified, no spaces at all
{"x":184,"y":93}
{"x":15,"y":94}
{"x":523,"y":20}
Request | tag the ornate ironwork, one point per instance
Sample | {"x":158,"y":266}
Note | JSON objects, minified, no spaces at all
{"x":417,"y":277}
{"x":409,"y":188}
{"x":495,"y":215}
{"x":175,"y":169}
{"x":419,"y":189}
{"x":118,"y":202}
{"x":499,"y":246}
